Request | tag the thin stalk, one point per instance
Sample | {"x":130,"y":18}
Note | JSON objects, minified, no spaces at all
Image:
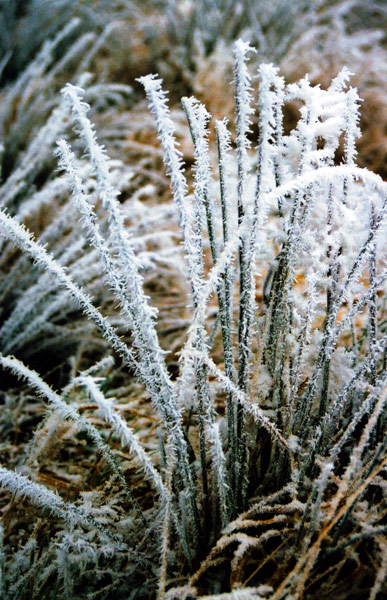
{"x":225,"y":308}
{"x":243,"y":112}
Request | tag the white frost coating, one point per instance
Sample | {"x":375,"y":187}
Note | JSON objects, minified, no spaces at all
{"x":352,"y":129}
{"x":220,"y":470}
{"x":244,"y":110}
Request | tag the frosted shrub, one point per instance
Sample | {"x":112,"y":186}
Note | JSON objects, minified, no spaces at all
{"x":282,"y":451}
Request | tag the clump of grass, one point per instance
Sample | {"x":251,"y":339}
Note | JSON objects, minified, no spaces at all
{"x":269,"y":478}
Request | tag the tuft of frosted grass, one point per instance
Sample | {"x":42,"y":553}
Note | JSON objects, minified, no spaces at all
{"x":304,"y":378}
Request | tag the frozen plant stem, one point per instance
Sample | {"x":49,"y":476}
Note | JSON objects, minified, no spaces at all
{"x":225,"y":302}
{"x":198,"y":117}
{"x":244,"y":109}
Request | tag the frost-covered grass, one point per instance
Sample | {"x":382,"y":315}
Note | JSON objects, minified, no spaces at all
{"x":256,"y":468}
